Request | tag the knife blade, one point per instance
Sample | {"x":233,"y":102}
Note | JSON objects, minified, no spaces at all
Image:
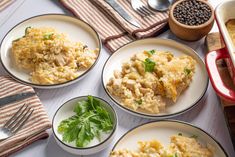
{"x":16,"y":97}
{"x":122,"y":12}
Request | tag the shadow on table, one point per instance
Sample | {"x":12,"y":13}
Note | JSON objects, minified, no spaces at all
{"x":190,"y":115}
{"x":62,"y":7}
{"x":53,"y":149}
{"x":198,"y":46}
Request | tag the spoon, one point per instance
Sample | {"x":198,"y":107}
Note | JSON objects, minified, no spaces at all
{"x":159,"y":5}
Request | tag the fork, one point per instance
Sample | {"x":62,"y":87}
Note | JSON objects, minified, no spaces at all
{"x":16,"y":122}
{"x":140,"y":8}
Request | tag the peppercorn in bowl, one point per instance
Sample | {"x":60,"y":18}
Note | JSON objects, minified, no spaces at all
{"x":191,"y":19}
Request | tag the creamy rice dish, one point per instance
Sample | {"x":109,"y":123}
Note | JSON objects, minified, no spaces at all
{"x":180,"y":146}
{"x":149,"y":78}
{"x":50,"y":57}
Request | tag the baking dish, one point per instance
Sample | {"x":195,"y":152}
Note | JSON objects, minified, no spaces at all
{"x":223,"y":12}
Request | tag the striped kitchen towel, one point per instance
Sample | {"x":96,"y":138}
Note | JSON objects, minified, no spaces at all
{"x":5,"y":3}
{"x":112,"y":28}
{"x":33,"y":129}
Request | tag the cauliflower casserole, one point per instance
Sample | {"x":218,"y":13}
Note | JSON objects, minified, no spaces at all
{"x":180,"y":146}
{"x":50,"y":57}
{"x":149,"y":78}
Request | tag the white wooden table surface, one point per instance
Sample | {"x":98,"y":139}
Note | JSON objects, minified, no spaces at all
{"x":206,"y":115}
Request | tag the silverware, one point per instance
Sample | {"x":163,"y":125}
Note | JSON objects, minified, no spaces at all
{"x":140,"y":8}
{"x":15,"y":97}
{"x":122,"y":12}
{"x":16,"y":122}
{"x":159,"y":5}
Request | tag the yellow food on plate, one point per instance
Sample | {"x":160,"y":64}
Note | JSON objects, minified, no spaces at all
{"x":189,"y":147}
{"x":230,"y":24}
{"x":180,"y":146}
{"x":150,"y":77}
{"x":50,"y":57}
{"x":146,"y":149}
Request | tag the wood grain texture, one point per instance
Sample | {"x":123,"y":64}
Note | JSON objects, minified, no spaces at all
{"x":214,"y":41}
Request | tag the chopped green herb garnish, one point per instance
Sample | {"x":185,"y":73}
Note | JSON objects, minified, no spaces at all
{"x":175,"y":155}
{"x":180,"y":134}
{"x":151,"y":52}
{"x":47,"y":36}
{"x":26,"y":29}
{"x":25,"y":32}
{"x":149,"y":65}
{"x":187,"y":71}
{"x":90,"y":121}
{"x":139,"y":102}
{"x":194,"y":136}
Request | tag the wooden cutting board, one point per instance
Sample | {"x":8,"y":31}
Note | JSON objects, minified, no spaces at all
{"x":213,"y":42}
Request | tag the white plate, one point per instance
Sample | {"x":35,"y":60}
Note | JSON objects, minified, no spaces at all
{"x":162,"y":131}
{"x":75,"y":29}
{"x":186,"y":100}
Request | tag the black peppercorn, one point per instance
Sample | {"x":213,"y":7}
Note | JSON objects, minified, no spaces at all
{"x":192,"y":12}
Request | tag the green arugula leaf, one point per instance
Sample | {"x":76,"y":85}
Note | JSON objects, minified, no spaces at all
{"x":81,"y":107}
{"x":90,"y":121}
{"x":71,"y":132}
{"x":149,"y":65}
{"x":90,"y":101}
{"x":81,"y":137}
{"x":64,"y":125}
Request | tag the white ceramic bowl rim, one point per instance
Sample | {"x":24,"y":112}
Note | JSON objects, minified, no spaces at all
{"x":148,"y":115}
{"x":175,"y":121}
{"x":52,"y":85}
{"x":78,"y":148}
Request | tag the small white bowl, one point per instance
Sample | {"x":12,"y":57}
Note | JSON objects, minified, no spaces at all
{"x":65,"y":111}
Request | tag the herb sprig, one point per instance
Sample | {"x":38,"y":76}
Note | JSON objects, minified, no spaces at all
{"x":151,"y":52}
{"x":48,"y":36}
{"x":139,"y":102}
{"x":90,"y":121}
{"x":187,"y":71}
{"x":149,"y":65}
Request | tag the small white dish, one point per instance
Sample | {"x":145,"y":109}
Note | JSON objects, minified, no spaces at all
{"x":186,"y":101}
{"x":75,"y":29}
{"x":162,"y":131}
{"x":65,"y":111}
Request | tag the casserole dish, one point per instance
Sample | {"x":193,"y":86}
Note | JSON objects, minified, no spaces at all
{"x":223,"y":12}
